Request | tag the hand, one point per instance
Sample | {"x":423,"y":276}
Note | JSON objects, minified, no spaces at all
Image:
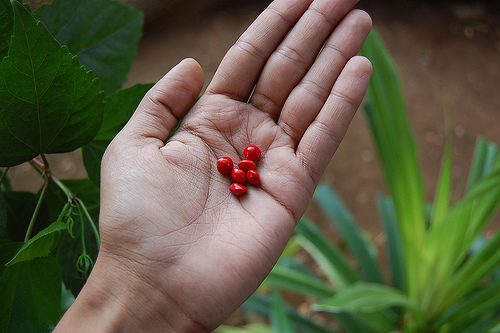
{"x":179,"y":252}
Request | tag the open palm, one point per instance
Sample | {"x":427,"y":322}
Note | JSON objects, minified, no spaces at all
{"x":290,"y":85}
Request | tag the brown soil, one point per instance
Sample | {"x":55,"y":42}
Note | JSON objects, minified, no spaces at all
{"x":448,"y":53}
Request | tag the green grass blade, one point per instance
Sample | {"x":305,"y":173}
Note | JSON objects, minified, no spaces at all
{"x":475,"y":270}
{"x":278,"y":315}
{"x":443,"y":189}
{"x":333,"y":263}
{"x":393,"y":242}
{"x":386,"y":114}
{"x":261,"y":304}
{"x":298,"y":282}
{"x":450,"y":241}
{"x":466,"y":313}
{"x":339,"y":215}
{"x":486,"y":154}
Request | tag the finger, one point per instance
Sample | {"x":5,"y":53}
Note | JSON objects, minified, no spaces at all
{"x":293,"y":58}
{"x":309,"y":96}
{"x":167,"y":102}
{"x":240,"y":68}
{"x":323,"y":136}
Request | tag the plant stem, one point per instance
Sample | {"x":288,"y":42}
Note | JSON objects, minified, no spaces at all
{"x":37,"y":210}
{"x":91,"y":221}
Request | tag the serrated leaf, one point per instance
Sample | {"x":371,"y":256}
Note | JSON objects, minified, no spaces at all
{"x":41,"y":244}
{"x":50,"y":104}
{"x":103,"y":34}
{"x":6,"y":27}
{"x":31,"y":296}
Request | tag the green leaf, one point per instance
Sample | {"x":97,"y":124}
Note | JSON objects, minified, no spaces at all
{"x":31,"y":296}
{"x":329,"y":258}
{"x":486,"y":155}
{"x":344,"y":222}
{"x":465,"y":313}
{"x":278,"y":315}
{"x":40,"y":245}
{"x":393,"y":242}
{"x":364,"y":298}
{"x":103,"y":34}
{"x":250,"y":328}
{"x":292,"y":280}
{"x":6,"y":27}
{"x":261,"y":304}
{"x":50,"y":104}
{"x":3,"y":216}
{"x":386,"y":114}
{"x":118,"y":109}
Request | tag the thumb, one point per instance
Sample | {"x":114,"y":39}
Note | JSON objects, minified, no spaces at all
{"x":167,"y":102}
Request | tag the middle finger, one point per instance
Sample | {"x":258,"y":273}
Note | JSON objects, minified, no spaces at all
{"x":293,"y":57}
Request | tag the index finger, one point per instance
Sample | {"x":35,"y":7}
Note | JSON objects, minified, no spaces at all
{"x":240,"y":68}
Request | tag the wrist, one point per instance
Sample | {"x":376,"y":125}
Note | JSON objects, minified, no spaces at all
{"x":114,"y":299}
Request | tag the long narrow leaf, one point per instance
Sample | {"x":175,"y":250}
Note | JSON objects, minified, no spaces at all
{"x":261,"y":304}
{"x":278,"y":315}
{"x":475,"y":270}
{"x":443,"y":189}
{"x":345,"y":223}
{"x":298,"y":282}
{"x":393,"y":242}
{"x":486,"y":154}
{"x":326,"y":254}
{"x":386,"y":114}
{"x":466,"y":313}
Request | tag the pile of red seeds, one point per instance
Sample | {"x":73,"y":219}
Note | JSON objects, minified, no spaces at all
{"x":246,"y":170}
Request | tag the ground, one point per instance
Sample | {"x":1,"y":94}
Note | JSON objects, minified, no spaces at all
{"x":447,"y":53}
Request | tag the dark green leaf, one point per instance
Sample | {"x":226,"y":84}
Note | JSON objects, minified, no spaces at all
{"x":6,"y":27}
{"x":31,"y":296}
{"x":40,"y":245}
{"x":103,"y":34}
{"x":278,"y":315}
{"x":262,"y":303}
{"x":118,"y":109}
{"x":324,"y":251}
{"x":393,"y":242}
{"x":92,"y":154}
{"x":20,"y":206}
{"x":388,"y":121}
{"x":50,"y":104}
{"x":3,"y":216}
{"x":344,"y":222}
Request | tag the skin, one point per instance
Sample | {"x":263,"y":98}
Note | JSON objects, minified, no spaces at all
{"x":179,"y":252}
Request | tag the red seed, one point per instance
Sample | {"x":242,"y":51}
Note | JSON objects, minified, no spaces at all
{"x":252,"y":152}
{"x":238,"y":176}
{"x":253,"y":177}
{"x":225,"y":165}
{"x":238,"y":189}
{"x":247,"y":165}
